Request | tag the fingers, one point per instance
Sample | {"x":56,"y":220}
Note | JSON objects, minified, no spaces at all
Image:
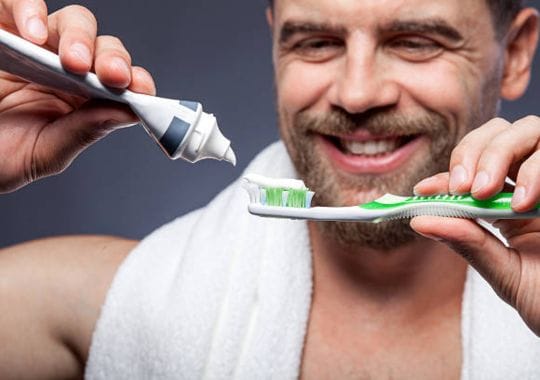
{"x":467,"y":153}
{"x":507,"y":148}
{"x":28,"y":17}
{"x":499,"y":265}
{"x":437,"y":184}
{"x":527,"y":192}
{"x":112,"y":62}
{"x":142,"y":81}
{"x":486,"y":156}
{"x":61,"y":141}
{"x":73,"y":31}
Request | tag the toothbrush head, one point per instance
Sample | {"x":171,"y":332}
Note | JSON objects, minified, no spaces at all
{"x":277,"y":192}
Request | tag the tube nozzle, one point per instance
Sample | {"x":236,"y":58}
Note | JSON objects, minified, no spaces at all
{"x":230,"y":156}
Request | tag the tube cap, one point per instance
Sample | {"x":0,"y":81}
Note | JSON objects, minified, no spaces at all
{"x":206,"y":141}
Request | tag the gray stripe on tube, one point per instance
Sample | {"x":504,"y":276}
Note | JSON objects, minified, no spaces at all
{"x":174,"y":135}
{"x":191,"y":105}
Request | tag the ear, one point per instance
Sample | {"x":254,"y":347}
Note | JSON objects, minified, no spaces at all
{"x":270,"y":17}
{"x":520,"y":47}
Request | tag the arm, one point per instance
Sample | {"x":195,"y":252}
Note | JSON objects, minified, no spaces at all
{"x":51,"y":293}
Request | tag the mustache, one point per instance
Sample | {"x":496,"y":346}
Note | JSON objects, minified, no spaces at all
{"x":377,"y":122}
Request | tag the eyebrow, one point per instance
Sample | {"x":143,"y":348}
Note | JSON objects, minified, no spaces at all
{"x":432,"y":26}
{"x":291,"y":28}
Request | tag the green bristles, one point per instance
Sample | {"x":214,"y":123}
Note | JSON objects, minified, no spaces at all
{"x":297,"y":198}
{"x":274,"y":196}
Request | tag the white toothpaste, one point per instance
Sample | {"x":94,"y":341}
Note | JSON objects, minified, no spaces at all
{"x":285,"y":183}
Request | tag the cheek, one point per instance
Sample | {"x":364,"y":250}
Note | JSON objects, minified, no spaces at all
{"x":445,"y":88}
{"x":302,"y":85}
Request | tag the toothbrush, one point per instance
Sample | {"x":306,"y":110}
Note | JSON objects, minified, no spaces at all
{"x":286,"y":198}
{"x":180,"y":128}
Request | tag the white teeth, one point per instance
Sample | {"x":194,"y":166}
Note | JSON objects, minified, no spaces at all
{"x":370,"y":147}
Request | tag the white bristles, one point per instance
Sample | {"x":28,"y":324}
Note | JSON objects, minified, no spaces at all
{"x":253,"y":191}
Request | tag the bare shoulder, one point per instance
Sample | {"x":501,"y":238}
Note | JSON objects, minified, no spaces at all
{"x":51,"y":293}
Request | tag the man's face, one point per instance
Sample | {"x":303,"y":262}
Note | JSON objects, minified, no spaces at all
{"x":373,"y":95}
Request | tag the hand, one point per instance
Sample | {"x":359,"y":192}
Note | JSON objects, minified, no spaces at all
{"x":42,"y":130}
{"x":479,"y":165}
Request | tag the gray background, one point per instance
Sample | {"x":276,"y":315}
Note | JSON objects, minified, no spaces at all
{"x":217,"y":52}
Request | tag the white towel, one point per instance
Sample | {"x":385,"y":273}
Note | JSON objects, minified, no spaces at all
{"x":221,"y":294}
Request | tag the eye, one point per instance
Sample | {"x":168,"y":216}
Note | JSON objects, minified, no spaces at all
{"x":416,"y":48}
{"x":318,"y":49}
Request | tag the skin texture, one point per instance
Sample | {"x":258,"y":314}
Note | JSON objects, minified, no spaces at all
{"x":371,"y":315}
{"x":51,"y":292}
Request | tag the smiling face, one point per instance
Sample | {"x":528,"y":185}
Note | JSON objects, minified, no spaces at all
{"x":373,"y":95}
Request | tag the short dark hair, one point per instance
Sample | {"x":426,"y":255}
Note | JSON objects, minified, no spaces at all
{"x":502,"y":11}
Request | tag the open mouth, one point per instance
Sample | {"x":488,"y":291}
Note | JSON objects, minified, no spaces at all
{"x":364,"y":153}
{"x":376,"y":147}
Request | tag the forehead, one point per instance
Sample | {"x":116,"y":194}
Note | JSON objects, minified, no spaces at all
{"x":358,"y":13}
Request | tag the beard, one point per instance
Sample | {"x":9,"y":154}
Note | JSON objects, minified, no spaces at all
{"x":337,"y":188}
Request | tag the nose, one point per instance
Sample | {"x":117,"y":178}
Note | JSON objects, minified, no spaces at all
{"x":363,"y":81}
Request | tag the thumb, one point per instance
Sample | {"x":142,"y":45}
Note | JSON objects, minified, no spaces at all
{"x":500,"y":266}
{"x":61,"y":141}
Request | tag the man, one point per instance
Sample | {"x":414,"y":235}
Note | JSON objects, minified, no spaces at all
{"x":372,"y":96}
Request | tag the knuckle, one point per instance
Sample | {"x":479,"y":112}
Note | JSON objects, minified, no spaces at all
{"x":494,"y":125}
{"x":112,"y":45}
{"x":81,"y":13}
{"x":494,"y":151}
{"x":77,"y":9}
{"x":499,"y":121}
{"x":34,"y":3}
{"x":459,"y":152}
{"x":530,"y":120}
{"x":530,"y":167}
{"x":109,"y":40}
{"x":503,"y":140}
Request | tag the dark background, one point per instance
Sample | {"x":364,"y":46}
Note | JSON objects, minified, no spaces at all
{"x":216,"y":52}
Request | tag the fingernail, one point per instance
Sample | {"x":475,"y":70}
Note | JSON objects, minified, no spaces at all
{"x":432,"y":237}
{"x":120,"y":64}
{"x":519,"y":196}
{"x":458,"y":176}
{"x":423,"y":182}
{"x":36,"y":27}
{"x":81,"y":51}
{"x":480,"y":181}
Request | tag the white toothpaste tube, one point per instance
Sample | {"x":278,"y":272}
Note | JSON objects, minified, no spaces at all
{"x":180,"y":128}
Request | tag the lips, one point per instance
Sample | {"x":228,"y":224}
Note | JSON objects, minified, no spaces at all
{"x":363,"y":153}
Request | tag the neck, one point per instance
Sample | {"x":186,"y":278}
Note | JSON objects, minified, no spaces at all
{"x":406,"y":282}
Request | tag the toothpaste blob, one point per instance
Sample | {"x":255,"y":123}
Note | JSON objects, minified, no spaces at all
{"x":286,"y":183}
{"x":180,"y":128}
